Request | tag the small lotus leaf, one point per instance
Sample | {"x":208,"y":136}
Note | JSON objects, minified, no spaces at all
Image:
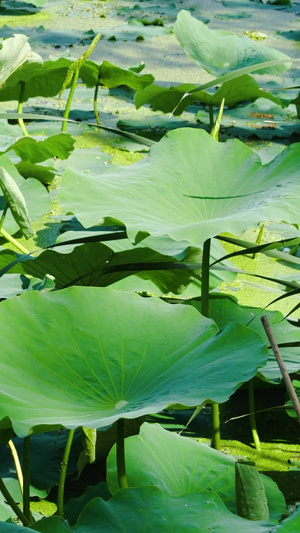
{"x":219,"y":52}
{"x":14,"y":53}
{"x":28,"y":149}
{"x":112,"y":76}
{"x":171,"y":99}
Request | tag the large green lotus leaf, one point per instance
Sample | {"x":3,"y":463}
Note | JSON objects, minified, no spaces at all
{"x":171,"y":99}
{"x":189,"y":187}
{"x":188,"y":466}
{"x":86,"y":356}
{"x":98,"y":265}
{"x":147,"y":509}
{"x":112,"y":76}
{"x":28,"y":149}
{"x":224,"y":309}
{"x":14,"y":53}
{"x":219,"y":52}
{"x":36,"y":196}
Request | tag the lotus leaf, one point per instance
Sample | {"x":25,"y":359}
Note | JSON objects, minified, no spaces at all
{"x":98,"y":265}
{"x":219,"y":52}
{"x":43,"y":526}
{"x":112,"y":76}
{"x":188,"y":466}
{"x":28,"y":149}
{"x":36,"y":196}
{"x":145,"y":509}
{"x":171,"y":99}
{"x":225,"y":309}
{"x":51,"y":524}
{"x":14,"y":53}
{"x":187,"y":193}
{"x":87,"y":356}
{"x":262,"y":118}
{"x":48,"y":79}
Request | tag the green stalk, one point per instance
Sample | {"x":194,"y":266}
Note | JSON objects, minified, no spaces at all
{"x":252,"y":415}
{"x":215,"y":438}
{"x":3,"y":215}
{"x":73,"y":75}
{"x":216,"y":126}
{"x":16,"y":459}
{"x":95,"y":100}
{"x":211,"y":116}
{"x":8,"y":497}
{"x":26,"y":479}
{"x":20,"y":108}
{"x":259,"y":239}
{"x":70,"y":98}
{"x":63,"y":473}
{"x":121,"y":470}
{"x":13,"y":241}
{"x":205,"y":279}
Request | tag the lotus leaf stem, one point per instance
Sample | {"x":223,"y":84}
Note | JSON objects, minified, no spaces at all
{"x":73,"y":75}
{"x":20,"y":108}
{"x":259,"y":238}
{"x":252,"y":416}
{"x":63,"y":473}
{"x":26,"y":479}
{"x":216,"y":126}
{"x":215,"y":440}
{"x":13,"y":241}
{"x":121,"y":470}
{"x":16,"y":459}
{"x":3,"y":215}
{"x":95,"y":99}
{"x":211,"y":116}
{"x":70,"y":98}
{"x":205,"y":279}
{"x":8,"y":497}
